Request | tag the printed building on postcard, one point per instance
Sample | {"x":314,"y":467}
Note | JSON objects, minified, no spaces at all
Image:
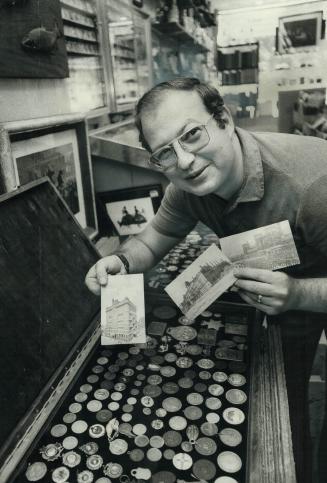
{"x":208,"y":275}
{"x":121,"y":321}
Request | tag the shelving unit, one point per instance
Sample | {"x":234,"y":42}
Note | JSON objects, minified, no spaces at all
{"x":174,"y":29}
{"x":238,"y":64}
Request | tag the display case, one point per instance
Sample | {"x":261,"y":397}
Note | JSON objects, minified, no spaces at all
{"x":130,"y":46}
{"x":86,"y":60}
{"x":200,"y":400}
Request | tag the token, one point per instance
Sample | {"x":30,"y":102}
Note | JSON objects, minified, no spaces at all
{"x":80,"y":397}
{"x":128,"y":408}
{"x":61,"y":474}
{"x":116,"y":396}
{"x":154,"y":454}
{"x":36,"y":471}
{"x":200,"y":387}
{"x":103,"y":415}
{"x":171,"y":404}
{"x":70,"y":442}
{"x":103,"y":360}
{"x":177,"y":423}
{"x":185,"y":382}
{"x":236,"y":380}
{"x":230,"y":437}
{"x":113,"y":406}
{"x":169,"y":454}
{"x":157,"y":424}
{"x":170,"y":357}
{"x":120,"y":386}
{"x":51,"y":451}
{"x":58,"y":430}
{"x":193,"y":413}
{"x":183,"y":334}
{"x":186,"y":446}
{"x":229,"y":462}
{"x":69,"y":418}
{"x":225,"y":479}
{"x":204,"y":470}
{"x":172,"y":439}
{"x":79,"y":427}
{"x":205,"y":446}
{"x":136,"y":455}
{"x":184,"y":362}
{"x":163,"y":477}
{"x":101,"y":394}
{"x":113,"y":470}
{"x":147,"y":401}
{"x":128,"y":372}
{"x":213,"y":403}
{"x":139,"y":429}
{"x":194,"y":398}
{"x":204,"y":375}
{"x":193,"y":349}
{"x":102,"y":479}
{"x":182,"y":461}
{"x":161,"y":412}
{"x":86,"y":388}
{"x":75,"y":408}
{"x":216,"y":389}
{"x":126,"y":417}
{"x":154,"y":379}
{"x":168,"y":371}
{"x":150,"y":390}
{"x":97,"y":430}
{"x":132,"y":400}
{"x":71,"y":459}
{"x":212,"y":418}
{"x":97,"y":369}
{"x":209,"y":429}
{"x":146,"y":411}
{"x":118,"y":446}
{"x":236,"y":396}
{"x":94,"y":405}
{"x":205,"y":363}
{"x":141,"y":440}
{"x":233,"y":415}
{"x":170,"y":388}
{"x":89,"y":448}
{"x":219,"y":376}
{"x":157,"y":441}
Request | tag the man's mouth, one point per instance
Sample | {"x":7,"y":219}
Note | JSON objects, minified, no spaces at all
{"x":195,"y":174}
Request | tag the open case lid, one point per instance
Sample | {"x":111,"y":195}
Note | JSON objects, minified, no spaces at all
{"x":45,"y":308}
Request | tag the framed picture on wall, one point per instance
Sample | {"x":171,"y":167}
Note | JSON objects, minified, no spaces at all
{"x":296,"y":32}
{"x":128,"y":211}
{"x":61,"y":153}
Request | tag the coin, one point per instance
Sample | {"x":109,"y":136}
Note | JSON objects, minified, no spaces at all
{"x":226,"y":343}
{"x":204,"y":469}
{"x":94,"y":462}
{"x":170,"y":388}
{"x":118,"y":446}
{"x":185,"y":382}
{"x":79,"y":427}
{"x":172,"y":439}
{"x":183,"y":334}
{"x":171,"y":404}
{"x":182,"y":461}
{"x":70,"y":442}
{"x":200,"y":387}
{"x":97,"y":430}
{"x":209,"y":429}
{"x":194,"y":398}
{"x":113,"y":470}
{"x":147,"y":401}
{"x":219,"y":376}
{"x":229,"y":462}
{"x":170,"y":357}
{"x":169,"y":454}
{"x":163,"y":477}
{"x":233,"y":415}
{"x":157,"y":441}
{"x":58,"y":430}
{"x":69,"y":418}
{"x":151,"y":390}
{"x":36,"y":471}
{"x":80,"y":397}
{"x":205,"y":446}
{"x":154,"y":454}
{"x":71,"y":459}
{"x":126,"y":417}
{"x":136,"y":455}
{"x":103,"y":415}
{"x":139,"y":429}
{"x":205,"y":363}
{"x":157,"y":424}
{"x":225,"y":479}
{"x":186,"y":446}
{"x":89,"y":448}
{"x":168,"y":371}
{"x":94,"y":405}
{"x":141,"y":440}
{"x":97,"y":369}
{"x":193,"y":413}
{"x":216,"y":389}
{"x":213,"y":403}
{"x":236,"y":380}
{"x":212,"y":418}
{"x":86,"y":388}
{"x":154,"y":379}
{"x":230,"y":437}
{"x":204,"y":375}
{"x":185,"y":321}
{"x":177,"y":423}
{"x":101,"y":394}
{"x":61,"y":474}
{"x":236,"y":396}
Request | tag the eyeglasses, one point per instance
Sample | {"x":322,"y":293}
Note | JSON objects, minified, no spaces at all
{"x":191,"y":141}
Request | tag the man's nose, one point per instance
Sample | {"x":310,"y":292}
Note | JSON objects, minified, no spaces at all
{"x":184,"y":158}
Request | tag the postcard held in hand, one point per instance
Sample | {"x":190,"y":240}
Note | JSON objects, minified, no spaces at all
{"x":270,"y":247}
{"x":122,"y":310}
{"x":202,"y":282}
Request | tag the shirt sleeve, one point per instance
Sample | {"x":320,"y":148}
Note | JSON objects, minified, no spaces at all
{"x":174,"y":217}
{"x":312,"y":219}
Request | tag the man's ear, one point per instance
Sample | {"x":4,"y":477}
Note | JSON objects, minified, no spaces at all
{"x":229,"y":122}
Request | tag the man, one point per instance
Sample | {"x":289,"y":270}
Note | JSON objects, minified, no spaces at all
{"x":234,"y":181}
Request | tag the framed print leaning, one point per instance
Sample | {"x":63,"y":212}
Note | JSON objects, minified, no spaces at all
{"x":296,"y":32}
{"x":61,"y":153}
{"x":128,"y":211}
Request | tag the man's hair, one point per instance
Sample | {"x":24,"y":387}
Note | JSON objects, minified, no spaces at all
{"x":211,"y":98}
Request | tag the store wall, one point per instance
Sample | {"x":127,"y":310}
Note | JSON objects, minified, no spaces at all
{"x":305,"y":69}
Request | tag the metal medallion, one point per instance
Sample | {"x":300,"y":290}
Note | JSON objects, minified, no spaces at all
{"x":230,"y":437}
{"x":193,"y":413}
{"x":79,"y":427}
{"x":70,"y":442}
{"x":172,"y":439}
{"x":216,"y":389}
{"x":205,"y":446}
{"x":113,"y":470}
{"x":184,"y":333}
{"x":182,"y":461}
{"x":205,"y":363}
{"x":203,"y":469}
{"x":36,"y":471}
{"x":71,"y":459}
{"x":233,"y":415}
{"x":213,"y":403}
{"x":219,"y":376}
{"x":171,"y":404}
{"x":194,"y":398}
{"x":51,"y":451}
{"x":89,"y":448}
{"x":58,"y":430}
{"x":101,"y":394}
{"x":209,"y":429}
{"x":154,"y":454}
{"x":118,"y":446}
{"x":236,"y":380}
{"x":229,"y":462}
{"x":236,"y":396}
{"x":136,"y":455}
{"x":97,"y":431}
{"x":61,"y":474}
{"x":184,"y":362}
{"x":94,"y":406}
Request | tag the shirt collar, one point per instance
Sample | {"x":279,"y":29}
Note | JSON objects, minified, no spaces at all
{"x":252,"y":188}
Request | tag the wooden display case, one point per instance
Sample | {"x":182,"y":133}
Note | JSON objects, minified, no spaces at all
{"x":55,"y":373}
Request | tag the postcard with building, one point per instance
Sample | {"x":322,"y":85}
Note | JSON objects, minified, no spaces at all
{"x":122,"y":310}
{"x":202,"y":282}
{"x":271,"y":247}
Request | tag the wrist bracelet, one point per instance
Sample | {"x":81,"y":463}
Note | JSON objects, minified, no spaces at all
{"x":124,"y":261}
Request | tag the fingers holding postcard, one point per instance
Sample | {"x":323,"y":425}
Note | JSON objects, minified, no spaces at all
{"x":122,"y":310}
{"x":202,"y":282}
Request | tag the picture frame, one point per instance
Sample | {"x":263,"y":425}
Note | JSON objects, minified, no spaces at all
{"x":127,"y":212}
{"x":60,"y":152}
{"x":297,"y":32}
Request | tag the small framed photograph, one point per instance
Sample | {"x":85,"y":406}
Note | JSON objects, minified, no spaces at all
{"x":296,"y":32}
{"x":128,"y":211}
{"x":61,"y":153}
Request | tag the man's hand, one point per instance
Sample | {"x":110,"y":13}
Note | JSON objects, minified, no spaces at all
{"x":270,"y":292}
{"x":98,"y":274}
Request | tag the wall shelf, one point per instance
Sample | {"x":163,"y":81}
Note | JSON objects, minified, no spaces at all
{"x":174,"y":29}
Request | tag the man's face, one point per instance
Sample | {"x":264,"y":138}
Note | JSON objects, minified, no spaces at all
{"x":217,"y":167}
